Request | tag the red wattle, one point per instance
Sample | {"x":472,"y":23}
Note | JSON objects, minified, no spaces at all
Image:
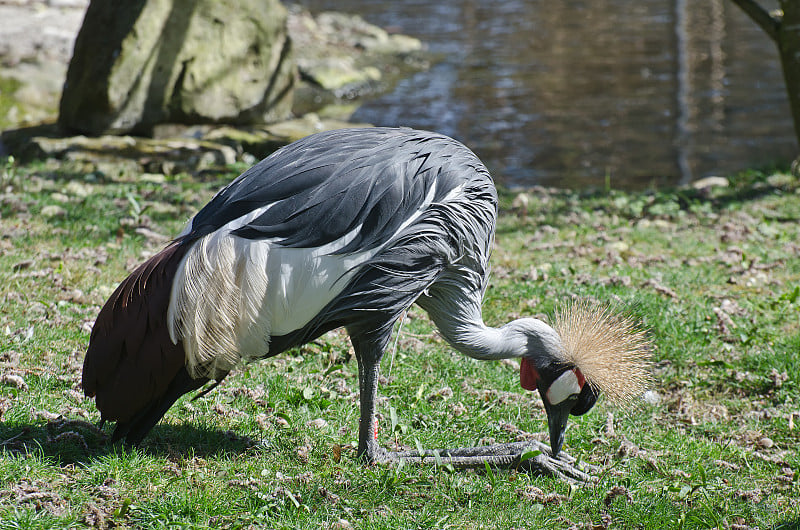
{"x":581,"y":378}
{"x":527,"y":375}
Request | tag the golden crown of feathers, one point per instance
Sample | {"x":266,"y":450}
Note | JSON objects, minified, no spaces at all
{"x":611,"y":350}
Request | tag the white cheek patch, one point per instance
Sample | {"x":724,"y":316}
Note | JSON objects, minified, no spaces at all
{"x":565,"y":386}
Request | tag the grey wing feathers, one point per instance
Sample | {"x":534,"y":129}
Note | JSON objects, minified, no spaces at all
{"x":330,"y":184}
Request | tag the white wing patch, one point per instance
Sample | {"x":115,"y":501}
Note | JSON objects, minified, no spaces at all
{"x":215,"y":300}
{"x":230,"y":295}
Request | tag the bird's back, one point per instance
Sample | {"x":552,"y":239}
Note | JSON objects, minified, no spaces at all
{"x":371,"y":180}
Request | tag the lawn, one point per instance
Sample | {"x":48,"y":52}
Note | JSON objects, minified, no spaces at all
{"x":714,"y":275}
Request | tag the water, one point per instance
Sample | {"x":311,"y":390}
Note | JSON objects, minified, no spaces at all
{"x":583,"y":92}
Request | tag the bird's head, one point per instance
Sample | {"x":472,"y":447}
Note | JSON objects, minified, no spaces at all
{"x":588,"y":350}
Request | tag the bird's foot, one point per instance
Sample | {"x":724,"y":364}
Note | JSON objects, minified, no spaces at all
{"x":530,"y":456}
{"x":373,"y":453}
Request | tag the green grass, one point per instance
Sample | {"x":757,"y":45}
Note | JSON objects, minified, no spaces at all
{"x":714,"y":276}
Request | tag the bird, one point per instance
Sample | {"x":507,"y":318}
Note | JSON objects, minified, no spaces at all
{"x":344,"y":228}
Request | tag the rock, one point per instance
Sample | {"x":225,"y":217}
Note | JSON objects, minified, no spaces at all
{"x":520,"y":204}
{"x":41,"y":37}
{"x":781,"y":180}
{"x":354,"y":31}
{"x":336,"y":73}
{"x":342,"y":56}
{"x":180,"y":153}
{"x":766,"y":443}
{"x":318,"y":423}
{"x":67,"y":3}
{"x":618,"y":246}
{"x":257,"y":142}
{"x":14,"y":380}
{"x":78,"y":189}
{"x":52,"y":210}
{"x":651,"y":397}
{"x":292,"y":130}
{"x":188,"y":149}
{"x":710,"y":182}
{"x":359,"y":58}
{"x":144,"y":62}
{"x":262,"y":141}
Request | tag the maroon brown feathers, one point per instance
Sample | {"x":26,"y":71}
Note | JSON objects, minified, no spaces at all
{"x":131,"y":360}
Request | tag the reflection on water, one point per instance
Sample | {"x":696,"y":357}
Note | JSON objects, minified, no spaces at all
{"x":578,"y":92}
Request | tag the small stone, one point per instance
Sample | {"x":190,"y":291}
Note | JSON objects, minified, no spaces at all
{"x":155,"y":178}
{"x":778,"y":378}
{"x":520,"y":204}
{"x":619,"y":246}
{"x":262,"y":420}
{"x":53,"y":210}
{"x":318,"y":423}
{"x":710,"y":182}
{"x":76,"y":296}
{"x":651,"y":397}
{"x":78,"y":189}
{"x":14,"y":380}
{"x":766,"y":443}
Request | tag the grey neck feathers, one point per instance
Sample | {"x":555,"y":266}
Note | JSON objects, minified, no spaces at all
{"x":462,"y":326}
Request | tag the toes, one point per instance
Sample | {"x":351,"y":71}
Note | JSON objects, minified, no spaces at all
{"x":509,"y":456}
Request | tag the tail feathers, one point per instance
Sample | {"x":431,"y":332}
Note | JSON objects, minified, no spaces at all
{"x":135,"y":429}
{"x":131,"y":363}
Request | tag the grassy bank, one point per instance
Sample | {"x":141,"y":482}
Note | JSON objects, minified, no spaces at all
{"x":715,"y":276}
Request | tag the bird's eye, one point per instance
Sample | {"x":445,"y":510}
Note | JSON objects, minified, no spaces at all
{"x":565,"y":386}
{"x":586,"y":400}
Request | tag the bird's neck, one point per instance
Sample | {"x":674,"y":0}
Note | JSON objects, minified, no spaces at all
{"x":462,"y":327}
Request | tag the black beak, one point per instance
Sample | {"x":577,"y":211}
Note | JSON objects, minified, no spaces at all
{"x":557,"y":416}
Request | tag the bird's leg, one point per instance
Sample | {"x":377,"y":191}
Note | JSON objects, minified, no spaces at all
{"x":368,"y":397}
{"x":368,"y":356}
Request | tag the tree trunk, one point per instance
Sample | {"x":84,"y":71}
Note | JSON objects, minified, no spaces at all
{"x":788,"y":40}
{"x":785,"y":31}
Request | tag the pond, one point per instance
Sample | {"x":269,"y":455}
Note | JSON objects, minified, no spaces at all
{"x":585,"y":93}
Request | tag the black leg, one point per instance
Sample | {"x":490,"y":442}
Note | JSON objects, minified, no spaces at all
{"x":368,"y":354}
{"x":368,"y":396}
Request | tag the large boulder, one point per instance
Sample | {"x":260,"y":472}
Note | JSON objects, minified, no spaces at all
{"x":138,"y":63}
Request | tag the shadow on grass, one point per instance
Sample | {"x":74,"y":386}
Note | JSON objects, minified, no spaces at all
{"x":66,"y":442}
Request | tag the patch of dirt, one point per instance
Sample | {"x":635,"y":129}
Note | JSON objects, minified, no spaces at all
{"x":38,"y":495}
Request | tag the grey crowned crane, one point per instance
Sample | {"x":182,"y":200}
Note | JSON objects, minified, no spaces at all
{"x":345,"y":228}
